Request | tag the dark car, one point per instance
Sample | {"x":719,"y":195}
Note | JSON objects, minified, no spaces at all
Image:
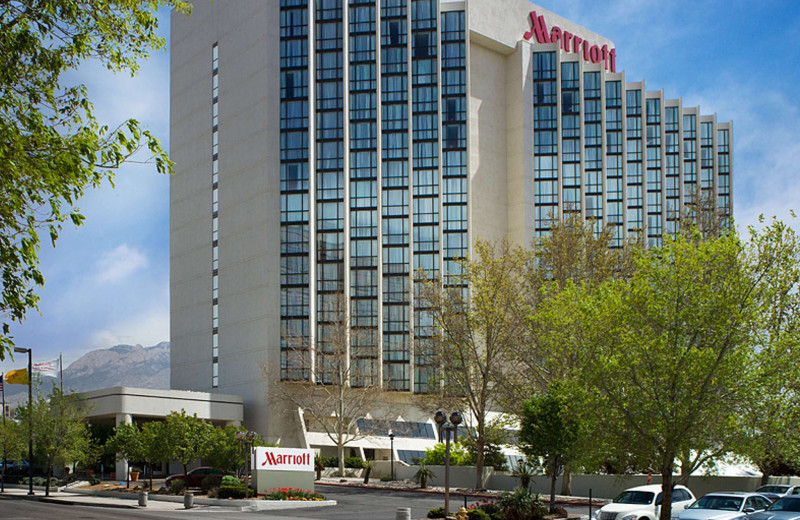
{"x":194,"y":477}
{"x":786,"y":508}
{"x":15,"y":467}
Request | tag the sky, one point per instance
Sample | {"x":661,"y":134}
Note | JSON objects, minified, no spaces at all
{"x":107,"y":282}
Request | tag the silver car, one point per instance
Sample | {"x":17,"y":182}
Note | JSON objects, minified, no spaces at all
{"x":776,"y":491}
{"x":787,"y":508}
{"x":732,"y":505}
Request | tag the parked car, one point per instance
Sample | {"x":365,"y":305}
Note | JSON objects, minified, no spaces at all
{"x":776,"y":491}
{"x":15,"y":467}
{"x":643,"y":503}
{"x":786,"y":508}
{"x":194,"y":477}
{"x":732,"y":505}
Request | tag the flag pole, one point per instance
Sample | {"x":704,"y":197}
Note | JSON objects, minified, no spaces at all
{"x":3,"y":478}
{"x":61,"y":370}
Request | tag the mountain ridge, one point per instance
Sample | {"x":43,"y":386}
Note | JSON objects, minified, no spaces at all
{"x":121,"y":365}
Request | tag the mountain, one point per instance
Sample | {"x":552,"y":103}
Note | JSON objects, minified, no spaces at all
{"x":121,"y":365}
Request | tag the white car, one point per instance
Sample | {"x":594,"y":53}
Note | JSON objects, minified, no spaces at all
{"x":644,"y":503}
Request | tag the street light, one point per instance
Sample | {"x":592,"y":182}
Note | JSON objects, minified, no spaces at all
{"x":23,"y":350}
{"x":246,"y":440}
{"x":391,"y":441}
{"x":444,"y":428}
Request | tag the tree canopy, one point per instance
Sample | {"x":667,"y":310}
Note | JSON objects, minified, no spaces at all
{"x":52,"y":146}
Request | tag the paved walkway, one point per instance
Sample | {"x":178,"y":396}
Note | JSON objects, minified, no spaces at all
{"x":130,"y":501}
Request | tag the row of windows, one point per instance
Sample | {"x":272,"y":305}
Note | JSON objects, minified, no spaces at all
{"x":644,"y":149}
{"x":215,"y":215}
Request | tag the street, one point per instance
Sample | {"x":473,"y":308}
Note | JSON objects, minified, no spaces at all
{"x":353,"y":504}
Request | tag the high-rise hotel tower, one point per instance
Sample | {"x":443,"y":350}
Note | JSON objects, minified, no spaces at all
{"x":335,"y":147}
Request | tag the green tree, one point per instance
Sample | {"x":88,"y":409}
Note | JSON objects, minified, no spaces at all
{"x":572,"y":252}
{"x":53,"y":147}
{"x":224,"y":451}
{"x":186,"y":437}
{"x":668,"y":352}
{"x":13,"y":443}
{"x":478,"y":313}
{"x":459,"y":456}
{"x":770,"y":415}
{"x":155,"y":447}
{"x":549,"y":431}
{"x":60,"y":432}
{"x":128,"y":445}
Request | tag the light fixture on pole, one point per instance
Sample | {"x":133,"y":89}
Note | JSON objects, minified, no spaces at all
{"x":391,"y":448}
{"x":22,"y":350}
{"x":440,"y":418}
{"x":246,"y":440}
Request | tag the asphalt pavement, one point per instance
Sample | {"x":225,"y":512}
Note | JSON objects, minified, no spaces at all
{"x":353,"y":503}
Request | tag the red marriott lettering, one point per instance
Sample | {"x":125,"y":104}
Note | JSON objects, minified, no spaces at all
{"x":571,"y":43}
{"x":297,"y":460}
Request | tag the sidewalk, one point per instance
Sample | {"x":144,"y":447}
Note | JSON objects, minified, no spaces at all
{"x":130,"y":501}
{"x":115,"y":499}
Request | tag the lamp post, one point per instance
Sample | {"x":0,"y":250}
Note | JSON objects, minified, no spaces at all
{"x":246,"y":440}
{"x":440,"y":418}
{"x":22,"y":350}
{"x":391,"y":442}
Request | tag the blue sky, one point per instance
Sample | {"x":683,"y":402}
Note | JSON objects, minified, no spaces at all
{"x":108,"y":281}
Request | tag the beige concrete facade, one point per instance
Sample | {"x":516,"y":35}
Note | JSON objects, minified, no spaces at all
{"x":501,"y":172}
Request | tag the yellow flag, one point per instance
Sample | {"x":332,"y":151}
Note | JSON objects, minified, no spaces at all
{"x":17,"y":377}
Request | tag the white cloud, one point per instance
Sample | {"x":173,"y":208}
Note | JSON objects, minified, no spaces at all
{"x":119,"y":263}
{"x":148,"y":328}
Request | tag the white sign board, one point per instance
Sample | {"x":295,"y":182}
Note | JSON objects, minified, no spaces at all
{"x":283,"y":459}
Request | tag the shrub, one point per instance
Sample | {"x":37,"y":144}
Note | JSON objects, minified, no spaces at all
{"x":289,"y":493}
{"x":209,"y":483}
{"x":354,"y":462}
{"x":459,"y":456}
{"x":330,"y":462}
{"x":521,"y":504}
{"x":94,"y":481}
{"x":227,"y":491}
{"x":489,"y":507}
{"x":423,"y":474}
{"x":436,"y":512}
{"x":560,"y":512}
{"x":478,"y":514}
{"x":177,"y":486}
{"x":386,"y":478}
{"x":524,"y":472}
{"x":230,"y":480}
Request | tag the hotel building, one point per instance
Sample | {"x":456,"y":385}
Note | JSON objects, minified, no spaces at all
{"x":336,"y":147}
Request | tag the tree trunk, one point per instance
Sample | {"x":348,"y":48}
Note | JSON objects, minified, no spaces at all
{"x":49,"y":476}
{"x":553,"y":477}
{"x":340,"y":451}
{"x":764,"y":476}
{"x":150,"y":466}
{"x":566,"y":482}
{"x":666,"y":492}
{"x":479,"y":484}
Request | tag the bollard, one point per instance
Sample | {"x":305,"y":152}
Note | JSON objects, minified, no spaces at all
{"x":143,"y":499}
{"x":188,"y":500}
{"x":403,"y":513}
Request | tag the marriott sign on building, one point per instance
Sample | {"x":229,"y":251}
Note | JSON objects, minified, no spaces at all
{"x":329,"y":149}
